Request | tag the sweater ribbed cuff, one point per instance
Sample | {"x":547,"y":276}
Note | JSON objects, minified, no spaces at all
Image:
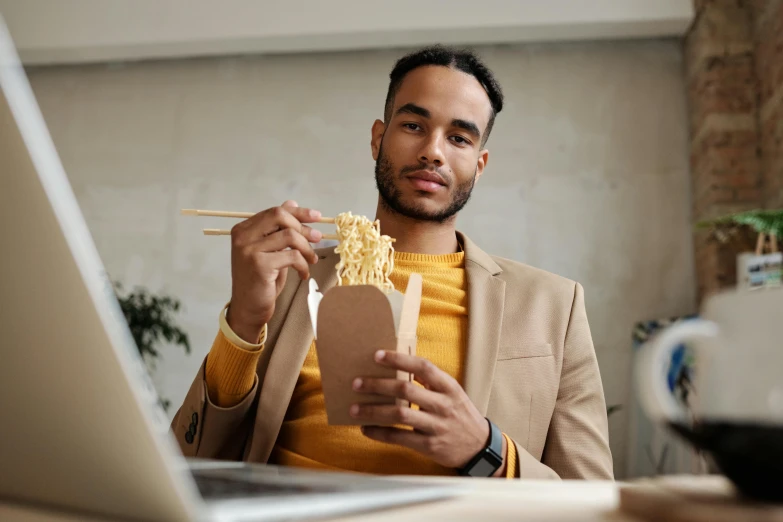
{"x":511,"y":458}
{"x":234,"y":338}
{"x":230,"y":370}
{"x":231,"y":365}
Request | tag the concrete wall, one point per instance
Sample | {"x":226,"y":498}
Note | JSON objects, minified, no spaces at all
{"x":588,"y":173}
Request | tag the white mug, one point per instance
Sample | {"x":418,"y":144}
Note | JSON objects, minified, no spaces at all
{"x":738,"y":344}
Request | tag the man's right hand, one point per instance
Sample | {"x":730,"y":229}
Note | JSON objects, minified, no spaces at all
{"x":263,"y":247}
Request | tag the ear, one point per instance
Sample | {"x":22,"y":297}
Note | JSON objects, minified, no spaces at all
{"x":378,"y":128}
{"x":481,"y":163}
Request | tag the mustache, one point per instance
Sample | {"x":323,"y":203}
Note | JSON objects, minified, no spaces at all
{"x":423,"y":166}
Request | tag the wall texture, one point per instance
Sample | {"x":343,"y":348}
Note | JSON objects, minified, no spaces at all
{"x":588,"y":173}
{"x":768,"y":39}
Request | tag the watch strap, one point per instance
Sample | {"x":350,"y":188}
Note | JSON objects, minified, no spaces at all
{"x":487,"y":461}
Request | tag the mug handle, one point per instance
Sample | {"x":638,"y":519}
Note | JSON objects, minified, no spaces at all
{"x":652,"y":367}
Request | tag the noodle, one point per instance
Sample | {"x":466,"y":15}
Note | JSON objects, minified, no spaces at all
{"x":366,"y":257}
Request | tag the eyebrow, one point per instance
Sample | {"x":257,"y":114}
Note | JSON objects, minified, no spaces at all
{"x":412,"y":108}
{"x":468,"y":126}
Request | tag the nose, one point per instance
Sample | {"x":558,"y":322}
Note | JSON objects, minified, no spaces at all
{"x":432,"y":150}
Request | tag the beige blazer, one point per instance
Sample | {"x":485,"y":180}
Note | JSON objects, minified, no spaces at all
{"x":530,"y":368}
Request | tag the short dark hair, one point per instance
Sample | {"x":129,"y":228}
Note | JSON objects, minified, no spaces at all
{"x":463,"y":60}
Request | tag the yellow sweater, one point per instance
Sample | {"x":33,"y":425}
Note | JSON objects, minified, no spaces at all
{"x":306,"y":439}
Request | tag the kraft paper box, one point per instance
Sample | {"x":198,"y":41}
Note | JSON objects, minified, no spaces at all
{"x":350,"y":324}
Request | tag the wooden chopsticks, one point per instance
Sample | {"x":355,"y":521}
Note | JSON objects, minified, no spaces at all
{"x":243,"y":215}
{"x":229,"y":214}
{"x":226,"y":232}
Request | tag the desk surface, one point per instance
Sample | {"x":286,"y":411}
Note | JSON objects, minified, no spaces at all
{"x":491,"y":500}
{"x":500,"y":500}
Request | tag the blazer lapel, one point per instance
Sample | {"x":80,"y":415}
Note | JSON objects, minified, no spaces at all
{"x":286,"y":361}
{"x":486,"y":297}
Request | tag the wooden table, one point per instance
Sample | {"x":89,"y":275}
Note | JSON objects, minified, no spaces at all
{"x":494,"y":500}
{"x":684,"y":498}
{"x":491,"y":500}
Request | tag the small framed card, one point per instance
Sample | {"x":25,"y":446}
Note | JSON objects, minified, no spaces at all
{"x":759,"y":271}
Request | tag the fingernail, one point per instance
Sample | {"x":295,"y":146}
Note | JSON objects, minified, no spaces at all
{"x":379,"y":355}
{"x":315,"y":214}
{"x":354,"y":410}
{"x":357,"y":384}
{"x":315,"y":235}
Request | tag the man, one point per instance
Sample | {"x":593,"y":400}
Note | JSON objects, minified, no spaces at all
{"x":501,"y":346}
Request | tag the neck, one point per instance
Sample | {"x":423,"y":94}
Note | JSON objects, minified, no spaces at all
{"x":416,"y":236}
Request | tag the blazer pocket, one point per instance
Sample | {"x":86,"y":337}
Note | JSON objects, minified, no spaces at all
{"x":524,"y":351}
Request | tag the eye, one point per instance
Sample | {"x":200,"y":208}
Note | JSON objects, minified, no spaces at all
{"x":459,"y":140}
{"x":411,"y":126}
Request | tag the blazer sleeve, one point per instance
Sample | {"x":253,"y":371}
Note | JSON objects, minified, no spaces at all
{"x":577,"y":443}
{"x":204,"y":429}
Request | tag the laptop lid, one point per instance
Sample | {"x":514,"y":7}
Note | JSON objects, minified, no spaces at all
{"x":80,"y":428}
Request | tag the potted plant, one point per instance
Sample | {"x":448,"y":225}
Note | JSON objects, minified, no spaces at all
{"x":768,"y":224}
{"x":755,"y":269}
{"x":151,"y":322}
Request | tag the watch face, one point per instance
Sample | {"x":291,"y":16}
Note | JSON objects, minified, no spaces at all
{"x":483,"y":468}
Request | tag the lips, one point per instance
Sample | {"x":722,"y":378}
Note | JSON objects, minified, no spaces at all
{"x":429,"y":176}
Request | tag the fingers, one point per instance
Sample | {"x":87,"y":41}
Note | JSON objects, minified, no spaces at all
{"x":283,"y":239}
{"x":277,"y":218}
{"x":278,"y":261}
{"x":425,"y":399}
{"x":303,"y":215}
{"x":423,"y":370}
{"x":391,"y":414}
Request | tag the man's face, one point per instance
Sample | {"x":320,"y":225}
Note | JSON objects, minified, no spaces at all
{"x":429,"y":155}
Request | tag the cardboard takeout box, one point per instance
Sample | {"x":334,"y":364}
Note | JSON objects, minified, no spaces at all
{"x":350,"y":324}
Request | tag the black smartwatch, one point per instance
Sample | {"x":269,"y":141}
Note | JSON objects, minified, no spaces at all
{"x":488,"y":460}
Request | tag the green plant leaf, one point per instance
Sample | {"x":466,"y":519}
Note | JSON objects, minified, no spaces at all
{"x":151,"y":320}
{"x":762,"y":221}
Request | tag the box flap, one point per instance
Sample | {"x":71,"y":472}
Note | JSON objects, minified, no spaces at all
{"x":409,"y":318}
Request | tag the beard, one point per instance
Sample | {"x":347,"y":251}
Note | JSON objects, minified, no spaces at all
{"x":392,"y":198}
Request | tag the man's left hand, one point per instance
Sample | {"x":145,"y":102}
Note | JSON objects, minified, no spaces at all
{"x":447,"y":427}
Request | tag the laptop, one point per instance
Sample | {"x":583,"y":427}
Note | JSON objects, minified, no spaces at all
{"x":80,"y":427}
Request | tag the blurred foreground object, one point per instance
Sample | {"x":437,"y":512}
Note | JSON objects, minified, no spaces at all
{"x":736,"y":416}
{"x":695,"y":499}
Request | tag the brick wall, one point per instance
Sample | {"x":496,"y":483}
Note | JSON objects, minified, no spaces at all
{"x":734,"y":68}
{"x":768,"y":31}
